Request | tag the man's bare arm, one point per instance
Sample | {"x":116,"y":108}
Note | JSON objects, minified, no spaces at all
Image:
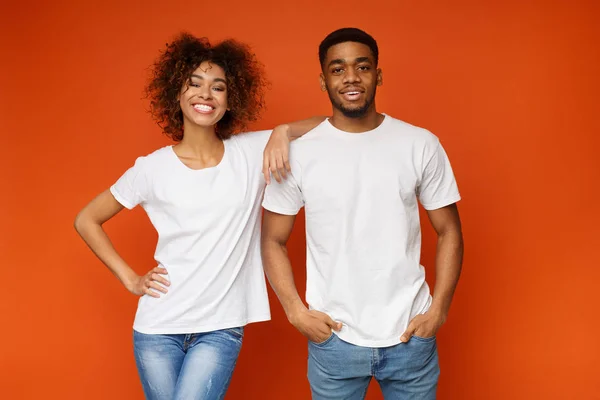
{"x":449,"y":256}
{"x":276,"y":230}
{"x":448,"y":264}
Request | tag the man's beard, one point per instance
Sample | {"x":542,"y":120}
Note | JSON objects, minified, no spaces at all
{"x":353,"y":112}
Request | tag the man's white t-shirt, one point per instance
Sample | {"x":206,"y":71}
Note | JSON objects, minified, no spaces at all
{"x":208,"y":224}
{"x":363,"y":235}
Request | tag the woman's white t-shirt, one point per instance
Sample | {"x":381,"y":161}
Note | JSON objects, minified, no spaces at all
{"x":208,"y":224}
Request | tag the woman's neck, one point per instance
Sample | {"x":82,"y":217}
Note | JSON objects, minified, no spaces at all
{"x":200,"y":147}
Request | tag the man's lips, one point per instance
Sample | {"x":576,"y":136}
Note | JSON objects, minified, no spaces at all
{"x":352,"y":95}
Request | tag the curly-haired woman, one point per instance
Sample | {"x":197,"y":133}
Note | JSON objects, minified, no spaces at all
{"x":203,"y":197}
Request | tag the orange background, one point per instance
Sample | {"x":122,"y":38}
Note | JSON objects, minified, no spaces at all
{"x":511,"y":90}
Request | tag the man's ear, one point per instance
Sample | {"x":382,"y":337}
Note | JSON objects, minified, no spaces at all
{"x":322,"y":82}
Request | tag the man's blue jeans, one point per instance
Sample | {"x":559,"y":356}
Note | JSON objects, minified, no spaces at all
{"x":340,"y":370}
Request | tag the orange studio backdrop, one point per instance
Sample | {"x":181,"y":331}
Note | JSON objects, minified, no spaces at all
{"x":510,"y":87}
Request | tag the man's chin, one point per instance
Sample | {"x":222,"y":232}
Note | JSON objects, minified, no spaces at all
{"x":352,"y":106}
{"x":354,"y":112}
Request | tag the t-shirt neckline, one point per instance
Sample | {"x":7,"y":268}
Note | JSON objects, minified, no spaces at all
{"x":380,"y":127}
{"x":207,"y":169}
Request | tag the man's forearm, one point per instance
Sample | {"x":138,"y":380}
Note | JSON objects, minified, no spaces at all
{"x":279,"y":272}
{"x":448,"y":266}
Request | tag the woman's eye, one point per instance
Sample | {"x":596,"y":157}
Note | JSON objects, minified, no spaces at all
{"x":196,"y":85}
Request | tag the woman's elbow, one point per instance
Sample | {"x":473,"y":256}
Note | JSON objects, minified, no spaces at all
{"x":81,"y":220}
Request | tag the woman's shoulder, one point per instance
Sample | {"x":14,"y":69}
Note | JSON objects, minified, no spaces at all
{"x":157,"y":156}
{"x":153,"y":160}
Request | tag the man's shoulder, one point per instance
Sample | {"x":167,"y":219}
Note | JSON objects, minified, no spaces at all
{"x":317,"y":132}
{"x":313,"y":138}
{"x":408,"y":130}
{"x":252,"y":137}
{"x":411,"y":134}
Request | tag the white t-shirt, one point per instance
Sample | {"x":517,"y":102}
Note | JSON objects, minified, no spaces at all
{"x":208,"y":224}
{"x":363,"y":235}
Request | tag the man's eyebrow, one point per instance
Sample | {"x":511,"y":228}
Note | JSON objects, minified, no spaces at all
{"x":342,"y":61}
{"x":336,"y":61}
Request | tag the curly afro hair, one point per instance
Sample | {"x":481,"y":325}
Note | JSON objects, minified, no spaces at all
{"x":172,"y":70}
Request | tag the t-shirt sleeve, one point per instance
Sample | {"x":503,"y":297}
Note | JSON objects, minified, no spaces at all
{"x":253,"y":144}
{"x":132,"y":187}
{"x":285,"y":197}
{"x":437,"y":187}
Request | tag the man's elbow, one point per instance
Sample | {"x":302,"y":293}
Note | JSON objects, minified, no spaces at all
{"x":452,"y":234}
{"x":455,"y":240}
{"x":270,"y":244}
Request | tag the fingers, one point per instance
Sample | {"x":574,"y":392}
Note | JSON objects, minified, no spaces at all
{"x":276,"y":164}
{"x":286,"y":160}
{"x":286,"y":163}
{"x":156,"y":275}
{"x":274,"y":172}
{"x":323,"y":336}
{"x":318,"y":331}
{"x":150,"y":292}
{"x":156,"y":286}
{"x":153,"y":282}
{"x":265,"y":170}
{"x":160,"y":279}
{"x":408,"y":333}
{"x":336,"y":326}
{"x":281,"y":168}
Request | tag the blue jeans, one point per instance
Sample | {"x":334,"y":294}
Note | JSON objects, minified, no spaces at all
{"x":340,"y":370}
{"x":187,"y":366}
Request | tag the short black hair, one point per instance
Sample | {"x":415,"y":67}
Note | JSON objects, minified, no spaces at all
{"x":347,"y":35}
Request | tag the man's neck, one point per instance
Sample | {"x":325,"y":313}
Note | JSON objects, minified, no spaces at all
{"x":367,"y":122}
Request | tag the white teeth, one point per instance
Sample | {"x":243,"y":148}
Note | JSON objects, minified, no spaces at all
{"x":352,"y":93}
{"x":203,"y":107}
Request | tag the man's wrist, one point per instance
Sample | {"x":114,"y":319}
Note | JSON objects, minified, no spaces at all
{"x":295,"y":311}
{"x":439,"y":312}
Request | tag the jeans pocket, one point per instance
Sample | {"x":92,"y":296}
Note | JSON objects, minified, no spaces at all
{"x":323,"y":343}
{"x":422,"y":339}
{"x":237,"y":331}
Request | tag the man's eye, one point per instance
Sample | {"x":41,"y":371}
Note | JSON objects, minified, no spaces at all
{"x":337,"y":70}
{"x":363,"y":68}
